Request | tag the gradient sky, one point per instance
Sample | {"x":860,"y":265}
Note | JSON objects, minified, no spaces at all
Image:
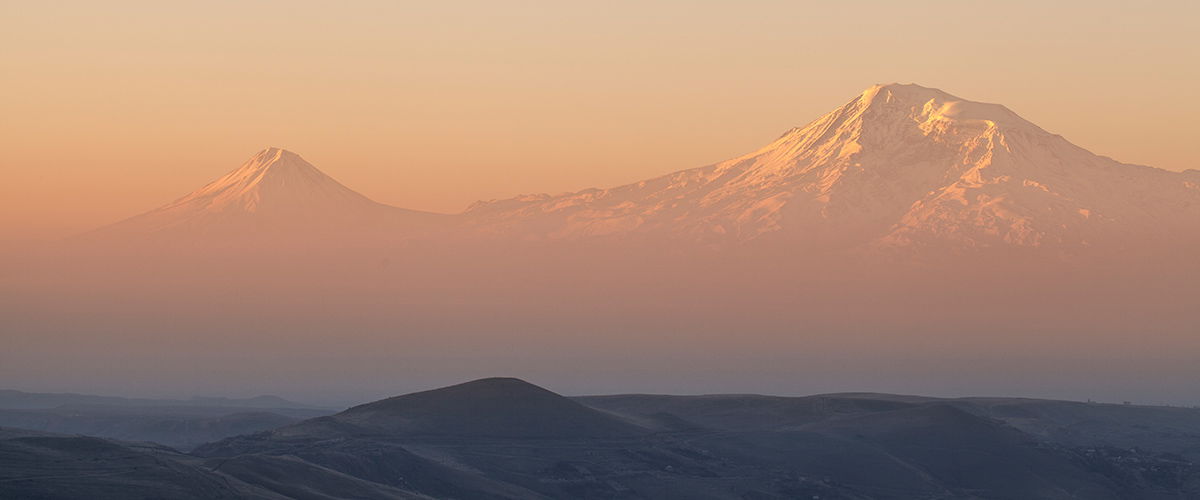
{"x":113,"y":108}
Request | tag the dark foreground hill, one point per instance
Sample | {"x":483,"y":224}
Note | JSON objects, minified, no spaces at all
{"x":506,"y":438}
{"x":487,"y":408}
{"x":37,"y":465}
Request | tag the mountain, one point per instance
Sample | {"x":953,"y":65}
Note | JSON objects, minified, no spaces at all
{"x":275,"y":191}
{"x":506,"y":438}
{"x":54,"y":466}
{"x":493,"y":407}
{"x":735,"y":411}
{"x":897,"y":166}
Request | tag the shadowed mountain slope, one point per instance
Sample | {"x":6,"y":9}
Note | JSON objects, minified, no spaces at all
{"x":965,"y":452}
{"x":178,"y":428}
{"x":50,"y":466}
{"x":475,"y":441}
{"x":493,"y":407}
{"x":734,"y":411}
{"x":505,"y":438}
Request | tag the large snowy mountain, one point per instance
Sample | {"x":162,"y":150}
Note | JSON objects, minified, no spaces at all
{"x":899,"y":165}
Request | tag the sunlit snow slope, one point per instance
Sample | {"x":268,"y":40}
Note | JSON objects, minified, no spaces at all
{"x":897,"y":166}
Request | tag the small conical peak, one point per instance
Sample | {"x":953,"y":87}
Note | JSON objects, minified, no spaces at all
{"x":275,"y":163}
{"x":275,"y":153}
{"x":277,"y":175}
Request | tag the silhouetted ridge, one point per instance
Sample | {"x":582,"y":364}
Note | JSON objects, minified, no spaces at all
{"x":499,"y":407}
{"x":850,"y":446}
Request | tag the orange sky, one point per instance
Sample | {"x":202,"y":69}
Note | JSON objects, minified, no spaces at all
{"x":113,"y":108}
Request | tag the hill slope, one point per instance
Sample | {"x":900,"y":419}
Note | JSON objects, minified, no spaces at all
{"x":492,"y":407}
{"x":505,"y":438}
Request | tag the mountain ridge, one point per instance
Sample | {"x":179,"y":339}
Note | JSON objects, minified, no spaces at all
{"x":490,"y":407}
{"x":741,"y":446}
{"x":899,"y":167}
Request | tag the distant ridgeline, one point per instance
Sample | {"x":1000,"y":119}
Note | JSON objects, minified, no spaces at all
{"x":900,"y":172}
{"x":504,"y":438}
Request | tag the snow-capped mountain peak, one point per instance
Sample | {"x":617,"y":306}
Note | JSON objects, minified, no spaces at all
{"x":899,"y":165}
{"x":275,"y":189}
{"x":274,"y":179}
{"x":928,"y":106}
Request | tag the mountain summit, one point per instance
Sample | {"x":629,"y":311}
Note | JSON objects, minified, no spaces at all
{"x":274,"y":180}
{"x":491,"y":407}
{"x":896,"y":166}
{"x":275,"y":190}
